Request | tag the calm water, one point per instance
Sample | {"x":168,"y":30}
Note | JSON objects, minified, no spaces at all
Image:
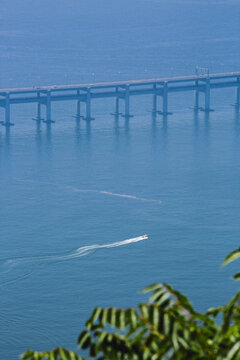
{"x":60,"y":186}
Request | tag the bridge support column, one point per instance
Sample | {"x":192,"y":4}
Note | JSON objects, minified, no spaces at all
{"x":38,"y":116}
{"x":196,"y":97}
{"x":207,"y":96}
{"x":117,"y":106}
{"x":165,"y":99}
{"x":7,"y":121}
{"x":117,"y":99}
{"x":39,"y":111}
{"x":78,"y":112}
{"x":88,"y":116}
{"x":154,"y":107}
{"x":237,"y":103}
{"x":48,"y":108}
{"x":237,"y":99}
{"x":127,"y":103}
{"x":165,"y":111}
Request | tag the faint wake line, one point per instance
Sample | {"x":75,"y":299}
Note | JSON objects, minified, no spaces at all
{"x":118,"y":195}
{"x":21,"y":277}
{"x":103,"y":192}
{"x":82,"y":251}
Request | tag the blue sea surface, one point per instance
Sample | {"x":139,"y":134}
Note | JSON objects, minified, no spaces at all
{"x":82,"y":184}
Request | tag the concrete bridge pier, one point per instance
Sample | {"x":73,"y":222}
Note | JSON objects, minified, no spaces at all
{"x":38,"y":112}
{"x":38,"y":116}
{"x":117,"y":100}
{"x":154,"y":100}
{"x":78,"y":111}
{"x":237,"y":95}
{"x":237,"y":103}
{"x":207,"y":96}
{"x":88,"y":116}
{"x":127,"y":103}
{"x":48,"y":108}
{"x":154,"y":110}
{"x":164,"y":111}
{"x":117,"y":106}
{"x":165,"y":98}
{"x":196,"y":97}
{"x":7,"y":121}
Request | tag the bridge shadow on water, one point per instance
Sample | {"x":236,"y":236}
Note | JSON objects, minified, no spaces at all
{"x":159,"y":130}
{"x":122,"y":131}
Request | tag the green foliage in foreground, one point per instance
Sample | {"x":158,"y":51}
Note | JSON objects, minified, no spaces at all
{"x":165,"y":327}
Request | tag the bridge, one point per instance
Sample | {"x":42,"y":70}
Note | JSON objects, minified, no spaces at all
{"x":43,"y":96}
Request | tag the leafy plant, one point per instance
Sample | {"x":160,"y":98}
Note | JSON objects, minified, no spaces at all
{"x":165,"y":327}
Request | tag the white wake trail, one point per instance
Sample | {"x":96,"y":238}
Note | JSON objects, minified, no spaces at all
{"x":103,"y":192}
{"x":126,"y":196}
{"x":82,"y":251}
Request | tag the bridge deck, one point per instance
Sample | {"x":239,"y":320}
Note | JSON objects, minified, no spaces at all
{"x":120,"y":90}
{"x":114,"y":84}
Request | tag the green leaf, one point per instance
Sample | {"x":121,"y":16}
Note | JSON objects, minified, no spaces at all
{"x":156,"y":317}
{"x":74,"y":356}
{"x":96,"y":314}
{"x":118,"y":313}
{"x":181,"y":298}
{"x":214,"y":311}
{"x":231,"y":257}
{"x":84,"y":339}
{"x":233,"y":351}
{"x":51,"y":356}
{"x":139,"y":334}
{"x":144,"y":310}
{"x":166,"y":324}
{"x":162,"y":299}
{"x":27,"y":355}
{"x":134,"y":318}
{"x":113,"y":313}
{"x":175,"y":337}
{"x":183,"y":343}
{"x":157,"y":294}
{"x":122,"y":323}
{"x":146,"y":354}
{"x":64,"y":355}
{"x":102,"y":337}
{"x":236,"y":276}
{"x":151,"y":288}
{"x":67,"y":355}
{"x":103,"y":317}
{"x":93,"y":350}
{"x":109,"y":337}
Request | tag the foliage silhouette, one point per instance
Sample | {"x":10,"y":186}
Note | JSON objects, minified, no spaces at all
{"x":165,"y":327}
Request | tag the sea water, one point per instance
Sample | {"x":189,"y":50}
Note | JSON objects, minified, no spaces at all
{"x":77,"y":198}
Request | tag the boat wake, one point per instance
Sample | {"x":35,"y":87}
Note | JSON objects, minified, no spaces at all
{"x":82,"y":251}
{"x":102,"y":192}
{"x":126,"y":196}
